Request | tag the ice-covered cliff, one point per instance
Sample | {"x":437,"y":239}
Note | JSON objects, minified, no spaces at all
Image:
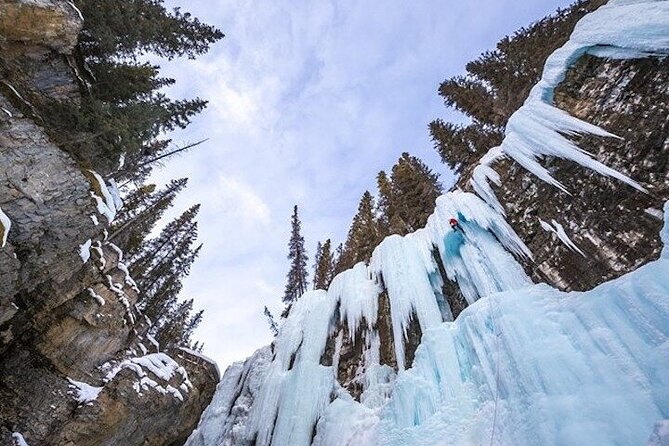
{"x":377,"y":359}
{"x":525,"y":365}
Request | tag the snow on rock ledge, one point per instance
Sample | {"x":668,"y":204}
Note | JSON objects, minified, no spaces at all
{"x":161,"y":367}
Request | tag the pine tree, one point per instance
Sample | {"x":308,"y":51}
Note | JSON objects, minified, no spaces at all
{"x":142,"y":209}
{"x":317,"y":259}
{"x":415,"y":189}
{"x":384,"y":205}
{"x":194,"y":321}
{"x":460,"y":145}
{"x":324,"y":266}
{"x":158,"y":248}
{"x":128,"y":28}
{"x":123,"y":111}
{"x":363,"y":236}
{"x":177,"y":328}
{"x":340,"y":260}
{"x":161,"y":265}
{"x":297,"y":275}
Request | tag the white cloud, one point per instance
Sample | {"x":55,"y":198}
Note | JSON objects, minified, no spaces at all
{"x":241,"y":202}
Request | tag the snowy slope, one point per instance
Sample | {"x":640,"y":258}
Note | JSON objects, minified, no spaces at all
{"x":524,"y":364}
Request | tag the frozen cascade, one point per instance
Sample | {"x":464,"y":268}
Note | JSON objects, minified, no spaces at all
{"x":224,"y":420}
{"x":619,"y":29}
{"x":524,"y":364}
{"x":549,"y":367}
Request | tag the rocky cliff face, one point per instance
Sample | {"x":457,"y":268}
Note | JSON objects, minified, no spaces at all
{"x":77,"y":365}
{"x":614,"y":227}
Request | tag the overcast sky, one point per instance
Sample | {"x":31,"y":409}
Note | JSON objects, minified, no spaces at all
{"x":308,"y":100}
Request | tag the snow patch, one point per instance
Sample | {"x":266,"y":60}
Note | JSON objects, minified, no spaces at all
{"x":151,"y":339}
{"x":84,"y":393}
{"x":5,"y":226}
{"x":19,"y":440}
{"x":115,"y":194}
{"x":85,"y":250}
{"x":73,"y":6}
{"x":99,"y":299}
{"x":116,"y":249}
{"x":106,"y":204}
{"x":159,"y":365}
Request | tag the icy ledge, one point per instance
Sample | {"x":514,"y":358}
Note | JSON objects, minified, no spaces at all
{"x":619,"y":29}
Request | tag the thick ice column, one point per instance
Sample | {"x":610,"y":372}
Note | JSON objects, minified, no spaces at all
{"x":399,"y":262}
{"x":297,"y":387}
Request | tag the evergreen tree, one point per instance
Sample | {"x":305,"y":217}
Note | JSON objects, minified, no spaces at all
{"x":273,"y":327}
{"x":461,"y":145}
{"x":162,"y":264}
{"x":123,"y":111}
{"x":297,"y":275}
{"x":363,"y":236}
{"x":497,"y":83}
{"x":183,"y":227}
{"x":177,"y":328}
{"x":142,"y":209}
{"x":415,"y":189}
{"x":118,"y":128}
{"x":324,"y":266}
{"x":129,"y":28}
{"x":340,"y":260}
{"x":317,"y":256}
{"x":384,"y":205}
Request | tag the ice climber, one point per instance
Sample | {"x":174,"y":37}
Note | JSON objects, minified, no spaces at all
{"x":454,"y":224}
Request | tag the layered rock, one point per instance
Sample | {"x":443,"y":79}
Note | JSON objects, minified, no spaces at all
{"x":67,"y":304}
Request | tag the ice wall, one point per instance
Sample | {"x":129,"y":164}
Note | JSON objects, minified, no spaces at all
{"x":297,"y":388}
{"x":524,"y":365}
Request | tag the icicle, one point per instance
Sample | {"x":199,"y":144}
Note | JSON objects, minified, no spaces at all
{"x":621,"y":29}
{"x":557,"y":229}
